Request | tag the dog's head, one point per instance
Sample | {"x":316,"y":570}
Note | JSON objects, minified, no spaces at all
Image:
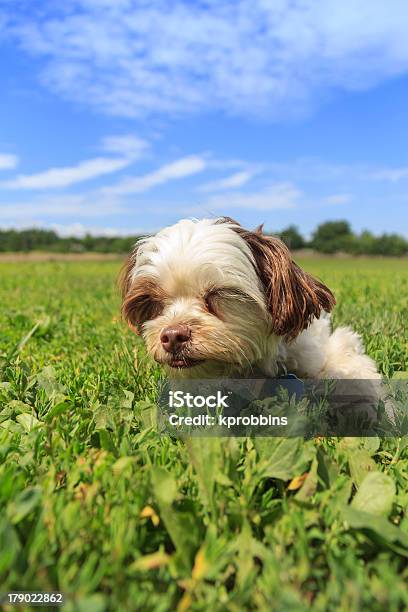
{"x":211,"y":298}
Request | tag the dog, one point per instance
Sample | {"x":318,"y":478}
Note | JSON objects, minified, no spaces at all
{"x":212,"y":299}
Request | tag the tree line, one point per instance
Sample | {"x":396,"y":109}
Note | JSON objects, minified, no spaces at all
{"x":329,"y":237}
{"x":337,"y":236}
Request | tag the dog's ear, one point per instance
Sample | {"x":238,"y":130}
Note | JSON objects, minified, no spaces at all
{"x":229,"y":220}
{"x":293,"y":296}
{"x":125,"y":284}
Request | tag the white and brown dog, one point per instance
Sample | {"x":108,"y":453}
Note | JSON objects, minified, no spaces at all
{"x":212,"y":299}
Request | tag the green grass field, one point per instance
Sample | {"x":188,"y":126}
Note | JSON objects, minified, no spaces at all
{"x":96,"y":504}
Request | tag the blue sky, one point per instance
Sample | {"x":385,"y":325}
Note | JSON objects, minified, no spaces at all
{"x":124,"y":116}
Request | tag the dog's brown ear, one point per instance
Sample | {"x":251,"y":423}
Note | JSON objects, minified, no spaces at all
{"x":125,"y":283}
{"x":293,"y":296}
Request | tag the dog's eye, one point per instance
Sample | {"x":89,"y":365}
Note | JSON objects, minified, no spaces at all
{"x":214,"y":297}
{"x":150,"y":308}
{"x":143,"y":302}
{"x":143,"y":308}
{"x":211,"y":300}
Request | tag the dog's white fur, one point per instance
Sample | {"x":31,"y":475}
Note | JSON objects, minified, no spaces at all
{"x":319,"y":352}
{"x":188,"y":260}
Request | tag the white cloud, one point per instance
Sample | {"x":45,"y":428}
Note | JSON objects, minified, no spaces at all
{"x":76,"y":206}
{"x":390,"y":174}
{"x":275,"y":197}
{"x":79,"y":230}
{"x":339,"y":198}
{"x":272,"y":58}
{"x":234,"y":181}
{"x":318,"y":171}
{"x":126,"y":145}
{"x":98,"y":202}
{"x":67,"y":176}
{"x":75,"y":229}
{"x":8,"y":161}
{"x":181,"y":168}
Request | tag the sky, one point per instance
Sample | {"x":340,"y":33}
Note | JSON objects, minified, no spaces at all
{"x":122,"y":116}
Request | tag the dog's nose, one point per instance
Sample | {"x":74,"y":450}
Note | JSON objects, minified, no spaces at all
{"x":174,"y":336}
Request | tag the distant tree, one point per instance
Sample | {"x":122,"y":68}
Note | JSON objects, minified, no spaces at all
{"x":329,"y":237}
{"x":292,"y":237}
{"x":333,"y":236}
{"x":27,"y":240}
{"x":89,"y":242}
{"x":390,"y":244}
{"x":364,"y":244}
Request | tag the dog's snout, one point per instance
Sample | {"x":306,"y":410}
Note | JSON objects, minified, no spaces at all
{"x":174,"y":337}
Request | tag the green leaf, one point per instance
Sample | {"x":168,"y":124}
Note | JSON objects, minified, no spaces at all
{"x":360,"y":464}
{"x":122,"y":464}
{"x":328,"y":470}
{"x":57,"y":410}
{"x":121,"y":399}
{"x":91,"y":603}
{"x":371,"y":444}
{"x":44,"y":326}
{"x":348,"y":443}
{"x":164,"y":485}
{"x":147,"y":411}
{"x":18,"y":406}
{"x":11,"y":426}
{"x":206,"y":457}
{"x":181,"y":526}
{"x":106,"y":441}
{"x":378,"y":526}
{"x":28,"y":421}
{"x":400,"y":376}
{"x":102,"y":417}
{"x":310,"y":484}
{"x":23,"y":504}
{"x":211,"y":557}
{"x":247,"y":550}
{"x":283,"y":458}
{"x":375,"y":495}
{"x":47,"y":380}
{"x":9,"y":545}
{"x":20,"y":345}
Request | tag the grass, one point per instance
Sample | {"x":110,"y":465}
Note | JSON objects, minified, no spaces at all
{"x":96,"y":504}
